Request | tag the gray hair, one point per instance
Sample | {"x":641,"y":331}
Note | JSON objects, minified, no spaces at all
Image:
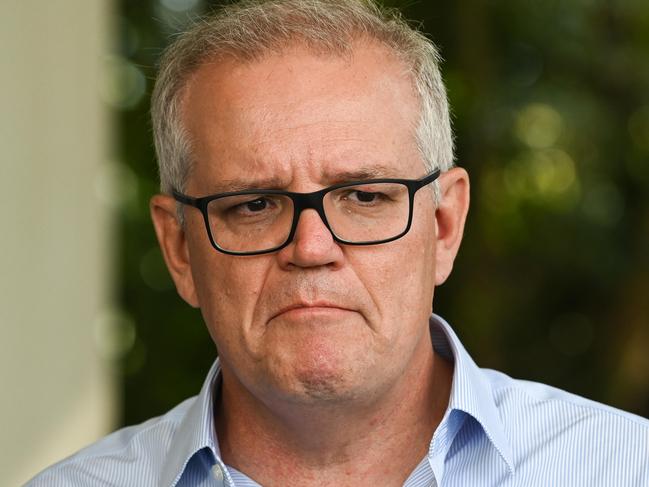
{"x":250,"y":29}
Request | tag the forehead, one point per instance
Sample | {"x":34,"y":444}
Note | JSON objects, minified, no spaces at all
{"x":297,"y":114}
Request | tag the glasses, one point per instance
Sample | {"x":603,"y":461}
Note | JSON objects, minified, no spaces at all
{"x":259,"y":221}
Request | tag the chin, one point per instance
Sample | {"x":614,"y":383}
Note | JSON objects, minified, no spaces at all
{"x":322,"y":387}
{"x":319,"y":365}
{"x":322,"y":384}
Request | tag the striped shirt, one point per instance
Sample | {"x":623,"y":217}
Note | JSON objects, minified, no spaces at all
{"x":496,"y":431}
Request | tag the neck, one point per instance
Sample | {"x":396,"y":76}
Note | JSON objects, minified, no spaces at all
{"x":294,"y":444}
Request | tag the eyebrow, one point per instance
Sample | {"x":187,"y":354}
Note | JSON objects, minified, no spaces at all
{"x":378,"y":171}
{"x":362,"y":174}
{"x":233,"y":185}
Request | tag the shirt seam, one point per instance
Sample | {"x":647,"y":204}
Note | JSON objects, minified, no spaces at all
{"x":606,"y":410}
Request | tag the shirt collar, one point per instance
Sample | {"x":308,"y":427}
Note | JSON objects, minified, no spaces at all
{"x":471,"y":391}
{"x":195,"y":431}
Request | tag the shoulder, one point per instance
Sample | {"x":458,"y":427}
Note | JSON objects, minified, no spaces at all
{"x":536,"y":398}
{"x":129,"y":454}
{"x":551,"y":425}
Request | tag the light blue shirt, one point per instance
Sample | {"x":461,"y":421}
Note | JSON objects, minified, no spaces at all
{"x":496,"y":431}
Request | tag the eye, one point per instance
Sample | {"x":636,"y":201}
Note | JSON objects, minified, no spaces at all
{"x":260,"y":206}
{"x":365,"y":196}
{"x":248,"y":205}
{"x":257,"y":205}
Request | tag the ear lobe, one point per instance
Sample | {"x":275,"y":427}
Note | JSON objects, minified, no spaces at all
{"x":171,"y":237}
{"x":450,"y":217}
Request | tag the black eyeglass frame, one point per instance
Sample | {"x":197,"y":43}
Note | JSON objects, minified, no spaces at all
{"x":304,"y":201}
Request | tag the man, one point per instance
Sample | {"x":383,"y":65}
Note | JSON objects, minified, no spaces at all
{"x":310,"y":206}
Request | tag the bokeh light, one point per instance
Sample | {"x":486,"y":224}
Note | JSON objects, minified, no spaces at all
{"x":123,"y":84}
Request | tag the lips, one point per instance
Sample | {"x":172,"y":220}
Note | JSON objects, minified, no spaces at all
{"x":307,"y":306}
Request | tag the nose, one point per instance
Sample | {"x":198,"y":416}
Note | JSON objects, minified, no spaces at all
{"x":313,"y":244}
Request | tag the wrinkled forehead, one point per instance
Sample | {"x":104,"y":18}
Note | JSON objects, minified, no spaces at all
{"x":302,"y":110}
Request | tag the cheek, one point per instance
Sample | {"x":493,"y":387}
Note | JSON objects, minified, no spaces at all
{"x":399,"y":277}
{"x":228,"y":289}
{"x":414,"y":269}
{"x":418,"y":266}
{"x":415,"y":276}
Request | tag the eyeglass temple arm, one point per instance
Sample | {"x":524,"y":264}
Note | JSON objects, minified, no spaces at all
{"x":182,"y":198}
{"x":429,"y":179}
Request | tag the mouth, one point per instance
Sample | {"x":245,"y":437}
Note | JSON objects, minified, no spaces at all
{"x":310,"y":309}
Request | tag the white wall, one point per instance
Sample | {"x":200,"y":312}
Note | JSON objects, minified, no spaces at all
{"x":57,"y":392}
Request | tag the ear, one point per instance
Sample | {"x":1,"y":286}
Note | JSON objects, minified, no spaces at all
{"x":173,"y":243}
{"x":450,"y":216}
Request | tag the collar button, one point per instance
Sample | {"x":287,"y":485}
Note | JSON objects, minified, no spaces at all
{"x":217,"y":473}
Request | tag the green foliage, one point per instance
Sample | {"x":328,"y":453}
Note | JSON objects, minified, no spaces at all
{"x":551,"y":113}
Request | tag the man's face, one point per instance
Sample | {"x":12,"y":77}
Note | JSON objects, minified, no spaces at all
{"x":316,"y":320}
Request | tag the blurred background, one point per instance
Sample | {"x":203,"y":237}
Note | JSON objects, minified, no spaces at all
{"x":551,"y":113}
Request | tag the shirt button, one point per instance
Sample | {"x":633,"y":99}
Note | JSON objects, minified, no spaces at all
{"x":217,"y":472}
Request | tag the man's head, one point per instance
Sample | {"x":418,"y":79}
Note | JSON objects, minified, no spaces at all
{"x":298,"y":96}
